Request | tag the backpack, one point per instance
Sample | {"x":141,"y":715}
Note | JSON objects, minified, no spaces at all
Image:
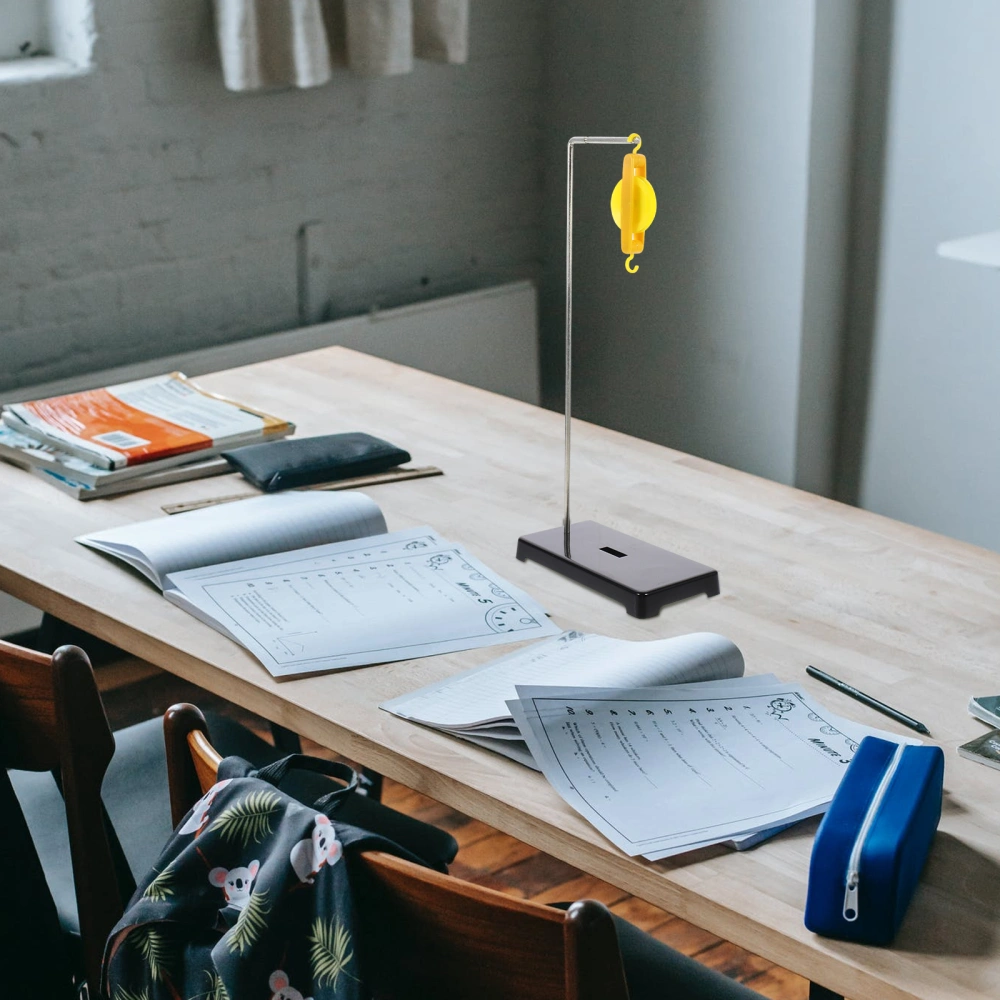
{"x":251,"y":897}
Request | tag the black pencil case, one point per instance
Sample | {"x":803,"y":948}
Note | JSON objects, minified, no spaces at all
{"x":291,"y":462}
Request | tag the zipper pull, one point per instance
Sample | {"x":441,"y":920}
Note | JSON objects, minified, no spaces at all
{"x":851,"y":897}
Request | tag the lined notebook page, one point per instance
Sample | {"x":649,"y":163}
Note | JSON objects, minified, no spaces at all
{"x":259,"y":526}
{"x":480,"y":696}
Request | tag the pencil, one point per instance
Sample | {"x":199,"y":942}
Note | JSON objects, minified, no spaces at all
{"x":867,"y":699}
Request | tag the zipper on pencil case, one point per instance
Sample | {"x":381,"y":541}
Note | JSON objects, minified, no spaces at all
{"x":854,"y":863}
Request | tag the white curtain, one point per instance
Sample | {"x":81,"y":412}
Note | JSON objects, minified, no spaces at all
{"x":280,"y":43}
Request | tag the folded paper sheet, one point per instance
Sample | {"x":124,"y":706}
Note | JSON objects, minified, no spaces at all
{"x":282,"y":43}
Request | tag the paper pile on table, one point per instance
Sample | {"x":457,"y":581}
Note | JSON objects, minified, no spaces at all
{"x":664,"y":770}
{"x":473,"y":704}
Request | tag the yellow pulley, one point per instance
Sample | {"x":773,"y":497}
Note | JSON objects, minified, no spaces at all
{"x":634,"y":201}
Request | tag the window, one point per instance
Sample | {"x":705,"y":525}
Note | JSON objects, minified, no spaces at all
{"x":40,"y":39}
{"x":23,"y":28}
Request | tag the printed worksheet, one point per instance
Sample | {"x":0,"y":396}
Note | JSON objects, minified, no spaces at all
{"x":368,"y":600}
{"x":664,"y":770}
{"x":478,"y":698}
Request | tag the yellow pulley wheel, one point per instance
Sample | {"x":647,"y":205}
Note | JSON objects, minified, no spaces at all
{"x":633,"y":203}
{"x":643,"y":205}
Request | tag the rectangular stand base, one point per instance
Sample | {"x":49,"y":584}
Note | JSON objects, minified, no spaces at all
{"x":643,"y":577}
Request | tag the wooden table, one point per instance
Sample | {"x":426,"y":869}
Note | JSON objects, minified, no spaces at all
{"x":907,"y":615}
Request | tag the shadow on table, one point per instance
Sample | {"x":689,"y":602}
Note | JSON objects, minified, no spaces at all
{"x":950,"y":806}
{"x":960,"y":891}
{"x":955,"y":910}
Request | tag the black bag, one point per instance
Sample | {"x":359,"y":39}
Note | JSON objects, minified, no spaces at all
{"x":251,"y":896}
{"x":294,"y":462}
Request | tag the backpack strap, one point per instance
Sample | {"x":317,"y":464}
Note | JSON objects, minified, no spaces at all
{"x":275,"y":773}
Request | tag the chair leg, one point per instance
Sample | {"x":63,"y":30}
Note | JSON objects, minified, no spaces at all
{"x":817,"y":992}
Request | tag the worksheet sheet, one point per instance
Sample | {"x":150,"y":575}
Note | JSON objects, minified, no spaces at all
{"x":478,"y":698}
{"x":473,"y":704}
{"x":368,"y":600}
{"x":664,"y":770}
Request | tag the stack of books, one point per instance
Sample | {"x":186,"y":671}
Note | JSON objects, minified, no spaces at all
{"x":132,"y":436}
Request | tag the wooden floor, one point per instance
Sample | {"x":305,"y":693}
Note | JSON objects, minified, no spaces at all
{"x":135,"y":692}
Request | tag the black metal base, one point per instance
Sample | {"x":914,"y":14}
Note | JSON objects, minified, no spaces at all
{"x":643,"y":577}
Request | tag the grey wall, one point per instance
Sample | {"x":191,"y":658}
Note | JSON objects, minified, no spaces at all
{"x":789,"y":317}
{"x":701,"y":348}
{"x":929,"y":447}
{"x":144,"y":210}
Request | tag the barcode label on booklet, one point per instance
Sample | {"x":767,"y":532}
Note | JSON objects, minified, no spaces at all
{"x":120,"y":439}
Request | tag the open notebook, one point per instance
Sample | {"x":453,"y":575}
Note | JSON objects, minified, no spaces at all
{"x":473,"y":704}
{"x":312,"y":582}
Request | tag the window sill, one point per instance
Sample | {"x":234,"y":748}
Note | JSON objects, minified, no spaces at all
{"x":38,"y":69}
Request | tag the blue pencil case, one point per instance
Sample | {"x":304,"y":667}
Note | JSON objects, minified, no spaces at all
{"x":872,"y":844}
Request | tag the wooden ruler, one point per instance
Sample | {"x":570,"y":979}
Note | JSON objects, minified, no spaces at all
{"x":396,"y":475}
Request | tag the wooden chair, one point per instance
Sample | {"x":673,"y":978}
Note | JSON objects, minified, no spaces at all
{"x":52,"y":719}
{"x":451,"y":939}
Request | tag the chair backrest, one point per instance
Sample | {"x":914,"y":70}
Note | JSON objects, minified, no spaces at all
{"x":448,"y":939}
{"x":52,"y":719}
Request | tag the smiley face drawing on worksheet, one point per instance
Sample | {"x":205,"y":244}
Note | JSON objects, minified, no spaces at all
{"x":780,"y":707}
{"x":508,"y":618}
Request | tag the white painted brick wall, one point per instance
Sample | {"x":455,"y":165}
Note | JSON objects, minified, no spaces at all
{"x":144,"y":210}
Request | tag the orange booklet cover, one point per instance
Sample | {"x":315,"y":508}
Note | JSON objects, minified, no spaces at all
{"x":144,"y":421}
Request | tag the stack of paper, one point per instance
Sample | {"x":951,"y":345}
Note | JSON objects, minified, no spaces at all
{"x":664,"y":746}
{"x":660,"y":771}
{"x":473,"y":704}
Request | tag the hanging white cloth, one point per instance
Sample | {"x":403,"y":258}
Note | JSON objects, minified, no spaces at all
{"x":280,"y":43}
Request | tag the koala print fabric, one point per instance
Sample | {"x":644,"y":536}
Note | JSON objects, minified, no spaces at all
{"x":322,"y":848}
{"x":250,"y":898}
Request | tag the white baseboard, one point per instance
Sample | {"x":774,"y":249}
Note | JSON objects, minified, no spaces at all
{"x":487,"y":338}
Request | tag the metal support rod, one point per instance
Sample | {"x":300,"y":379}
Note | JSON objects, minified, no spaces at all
{"x":577,"y":140}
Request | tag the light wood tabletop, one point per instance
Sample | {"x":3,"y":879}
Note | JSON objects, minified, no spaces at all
{"x":906,"y":615}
